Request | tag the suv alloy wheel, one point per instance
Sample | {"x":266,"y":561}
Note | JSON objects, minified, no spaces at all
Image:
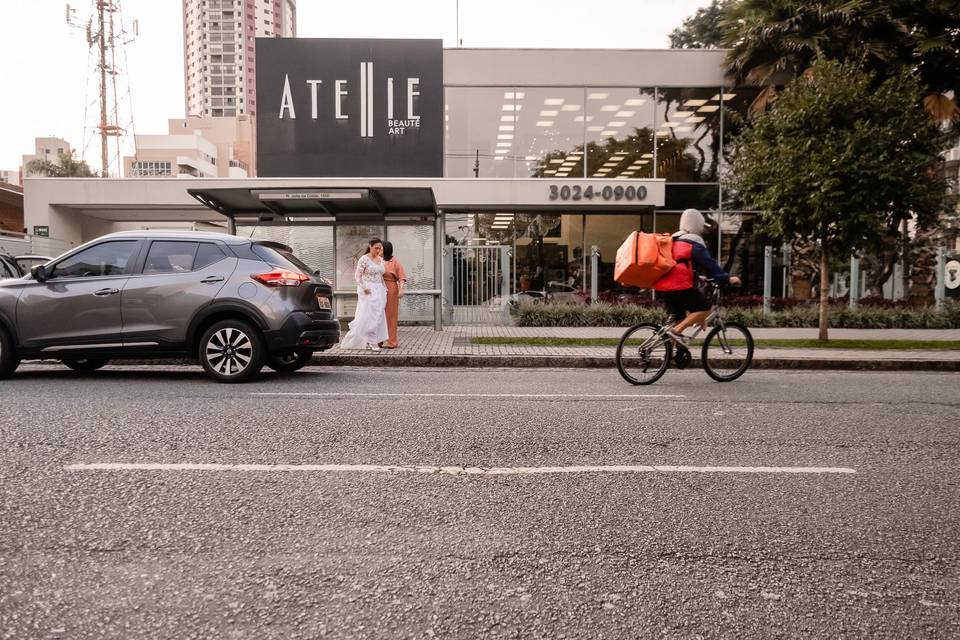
{"x":8,"y":357}
{"x":232,"y":351}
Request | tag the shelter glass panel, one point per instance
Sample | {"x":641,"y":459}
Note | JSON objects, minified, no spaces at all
{"x":413,"y":247}
{"x":313,"y":244}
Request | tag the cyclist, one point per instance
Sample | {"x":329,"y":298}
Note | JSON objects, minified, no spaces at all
{"x":683,"y":299}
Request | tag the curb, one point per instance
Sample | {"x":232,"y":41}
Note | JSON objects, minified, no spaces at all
{"x":594,"y":362}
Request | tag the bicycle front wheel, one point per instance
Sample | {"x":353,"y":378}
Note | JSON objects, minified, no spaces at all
{"x":727,"y":352}
{"x":643,"y":354}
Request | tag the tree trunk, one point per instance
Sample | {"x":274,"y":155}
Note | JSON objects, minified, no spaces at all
{"x":824,"y":293}
{"x":802,"y":268}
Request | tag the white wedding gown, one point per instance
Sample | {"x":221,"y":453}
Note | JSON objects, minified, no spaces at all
{"x":369,"y":325}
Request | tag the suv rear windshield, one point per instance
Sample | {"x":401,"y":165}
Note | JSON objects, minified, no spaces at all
{"x":280,"y":258}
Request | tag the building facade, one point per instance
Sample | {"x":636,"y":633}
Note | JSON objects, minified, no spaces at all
{"x":549,"y":159}
{"x":11,"y":176}
{"x":220,"y":65}
{"x":195,"y":147}
{"x":49,"y":149}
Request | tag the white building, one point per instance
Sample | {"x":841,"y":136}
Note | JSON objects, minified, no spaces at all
{"x":195,"y":147}
{"x":11,"y":176}
{"x":49,"y":149}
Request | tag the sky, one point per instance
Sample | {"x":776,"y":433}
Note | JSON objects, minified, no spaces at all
{"x":50,"y":87}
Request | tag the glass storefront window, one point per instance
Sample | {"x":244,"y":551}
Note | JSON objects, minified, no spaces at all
{"x":619,"y":129}
{"x":548,"y":136}
{"x":688,"y":134}
{"x":479,"y":127}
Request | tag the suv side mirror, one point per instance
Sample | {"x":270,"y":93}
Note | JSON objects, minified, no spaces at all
{"x":39,"y":273}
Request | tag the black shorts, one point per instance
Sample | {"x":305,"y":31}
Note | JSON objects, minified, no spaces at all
{"x":679,"y":303}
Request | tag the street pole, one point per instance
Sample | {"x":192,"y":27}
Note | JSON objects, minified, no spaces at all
{"x":940,"y":292}
{"x":854,"y":281}
{"x":767,"y":278}
{"x":594,"y":273}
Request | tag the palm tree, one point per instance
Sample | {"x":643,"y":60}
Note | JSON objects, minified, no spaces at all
{"x":68,"y":167}
{"x":774,"y":41}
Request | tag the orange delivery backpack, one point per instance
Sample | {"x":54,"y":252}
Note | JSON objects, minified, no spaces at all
{"x":644,"y":258}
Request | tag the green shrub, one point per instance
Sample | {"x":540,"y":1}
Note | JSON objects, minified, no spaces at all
{"x":604,"y":314}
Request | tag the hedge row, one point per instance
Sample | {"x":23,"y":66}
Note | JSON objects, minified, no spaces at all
{"x":608,"y":315}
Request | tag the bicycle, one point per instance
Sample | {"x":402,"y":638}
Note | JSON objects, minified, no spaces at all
{"x":646,"y":350}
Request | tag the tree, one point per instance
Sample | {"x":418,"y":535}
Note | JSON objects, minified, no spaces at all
{"x":841,"y":160}
{"x":701,"y":30}
{"x":69,"y":167}
{"x":774,"y":41}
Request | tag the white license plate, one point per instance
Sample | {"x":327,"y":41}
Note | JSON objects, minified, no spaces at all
{"x":323,"y":302}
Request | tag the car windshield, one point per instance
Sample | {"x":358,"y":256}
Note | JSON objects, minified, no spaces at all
{"x":281,"y":258}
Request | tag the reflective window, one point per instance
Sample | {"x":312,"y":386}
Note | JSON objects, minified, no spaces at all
{"x":619,"y":126}
{"x":548,"y":138}
{"x":737,"y":104}
{"x":7,"y":270}
{"x":474,"y":120}
{"x":208,"y":254}
{"x":170,"y":257}
{"x":688,"y":134}
{"x":106,"y":259}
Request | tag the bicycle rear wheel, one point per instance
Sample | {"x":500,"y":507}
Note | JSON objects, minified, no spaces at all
{"x":642,"y":355}
{"x":727,"y":352}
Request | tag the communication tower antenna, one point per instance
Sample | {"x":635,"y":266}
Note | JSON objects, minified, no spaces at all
{"x":104,"y":33}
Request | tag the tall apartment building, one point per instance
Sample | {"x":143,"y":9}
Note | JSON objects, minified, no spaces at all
{"x":220,"y":67}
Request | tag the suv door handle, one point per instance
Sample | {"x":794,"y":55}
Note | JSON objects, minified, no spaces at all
{"x":212,"y":279}
{"x":106,"y":292}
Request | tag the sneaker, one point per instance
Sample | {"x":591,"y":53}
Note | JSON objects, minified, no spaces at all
{"x":679,"y":338}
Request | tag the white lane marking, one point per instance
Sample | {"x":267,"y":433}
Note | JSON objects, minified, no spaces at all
{"x":447,"y":470}
{"x":525,"y":396}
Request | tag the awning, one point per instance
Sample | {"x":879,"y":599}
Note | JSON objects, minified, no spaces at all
{"x":317,"y":202}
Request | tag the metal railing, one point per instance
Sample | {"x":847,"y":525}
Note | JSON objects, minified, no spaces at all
{"x":19,"y":244}
{"x":476,"y":285}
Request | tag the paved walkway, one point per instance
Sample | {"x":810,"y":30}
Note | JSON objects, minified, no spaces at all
{"x":423,"y":346}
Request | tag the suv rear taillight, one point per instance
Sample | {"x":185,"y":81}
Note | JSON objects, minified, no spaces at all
{"x":279,"y":278}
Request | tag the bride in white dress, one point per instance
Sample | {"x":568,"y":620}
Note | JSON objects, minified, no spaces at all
{"x":369,"y":326}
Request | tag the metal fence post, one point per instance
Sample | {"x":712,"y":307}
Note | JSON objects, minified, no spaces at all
{"x":446,"y":284}
{"x":594,"y":273}
{"x":940,"y":291}
{"x":767,"y":277}
{"x":854,"y":281}
{"x":505,"y":274}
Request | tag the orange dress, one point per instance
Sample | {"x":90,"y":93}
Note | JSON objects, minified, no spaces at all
{"x":393,"y":276}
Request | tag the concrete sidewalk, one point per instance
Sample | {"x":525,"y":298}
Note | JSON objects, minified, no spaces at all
{"x":422,"y":346}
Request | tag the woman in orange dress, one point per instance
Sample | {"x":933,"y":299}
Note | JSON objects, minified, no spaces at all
{"x":395,"y":279}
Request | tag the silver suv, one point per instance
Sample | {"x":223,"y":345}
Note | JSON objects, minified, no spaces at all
{"x":234,"y":304}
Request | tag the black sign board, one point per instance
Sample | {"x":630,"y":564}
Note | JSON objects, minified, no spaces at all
{"x":349,"y":108}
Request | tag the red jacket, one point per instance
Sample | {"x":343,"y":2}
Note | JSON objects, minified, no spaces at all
{"x":681,"y":276}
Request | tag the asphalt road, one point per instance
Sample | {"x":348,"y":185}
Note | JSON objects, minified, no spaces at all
{"x":389,"y":554}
